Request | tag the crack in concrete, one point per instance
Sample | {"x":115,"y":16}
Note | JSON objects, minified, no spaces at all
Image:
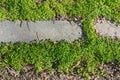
{"x":21,"y":23}
{"x":37,"y":36}
{"x":28,"y":26}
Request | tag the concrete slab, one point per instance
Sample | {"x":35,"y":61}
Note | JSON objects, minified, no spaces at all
{"x":28,"y":31}
{"x":107,"y":29}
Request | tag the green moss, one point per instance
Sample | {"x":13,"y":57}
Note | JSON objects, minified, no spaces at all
{"x":62,"y":55}
{"x":46,"y":55}
{"x":111,"y":9}
{"x":30,"y":10}
{"x":2,"y":14}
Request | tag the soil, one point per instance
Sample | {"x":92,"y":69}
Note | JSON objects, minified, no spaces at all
{"x":111,"y":71}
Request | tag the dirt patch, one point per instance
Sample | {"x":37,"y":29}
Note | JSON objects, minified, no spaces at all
{"x":111,"y":71}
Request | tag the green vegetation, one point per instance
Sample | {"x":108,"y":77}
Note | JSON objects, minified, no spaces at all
{"x":31,"y":10}
{"x":84,"y":55}
{"x":64,"y":56}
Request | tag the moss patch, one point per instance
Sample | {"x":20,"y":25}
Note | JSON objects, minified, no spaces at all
{"x":63,"y":56}
{"x":31,"y":10}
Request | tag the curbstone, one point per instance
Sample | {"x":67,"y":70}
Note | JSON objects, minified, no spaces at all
{"x":41,"y":30}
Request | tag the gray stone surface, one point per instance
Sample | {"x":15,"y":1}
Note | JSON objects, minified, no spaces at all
{"x":28,"y":31}
{"x":107,"y":29}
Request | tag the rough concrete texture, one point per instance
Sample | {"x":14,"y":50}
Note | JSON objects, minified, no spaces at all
{"x":107,"y":29}
{"x":28,"y":31}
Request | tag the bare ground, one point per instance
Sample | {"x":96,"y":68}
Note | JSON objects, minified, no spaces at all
{"x":111,"y":71}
